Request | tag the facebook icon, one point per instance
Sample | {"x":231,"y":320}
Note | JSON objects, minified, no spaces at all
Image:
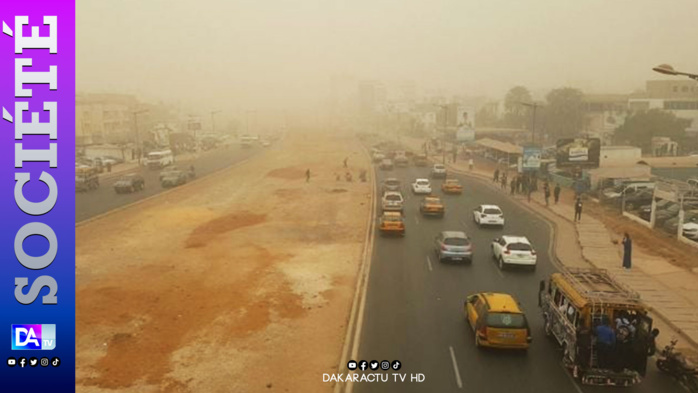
{"x":363,"y":364}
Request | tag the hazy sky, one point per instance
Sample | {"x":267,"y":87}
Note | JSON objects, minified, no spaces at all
{"x":237,"y":55}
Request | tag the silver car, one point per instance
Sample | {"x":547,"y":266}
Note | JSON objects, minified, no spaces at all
{"x":453,"y":245}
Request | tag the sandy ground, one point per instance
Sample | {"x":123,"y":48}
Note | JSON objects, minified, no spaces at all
{"x":240,"y":282}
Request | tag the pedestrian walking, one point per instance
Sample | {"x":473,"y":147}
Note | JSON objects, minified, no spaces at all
{"x":108,"y":166}
{"x":627,"y":251}
{"x":556,"y":192}
{"x":578,"y":210}
{"x":307,"y":175}
{"x":546,"y":193}
{"x":345,"y":161}
{"x":470,"y":164}
{"x":504,"y":181}
{"x":512,"y":186}
{"x":496,"y":175}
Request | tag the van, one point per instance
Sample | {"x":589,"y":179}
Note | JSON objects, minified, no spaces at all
{"x":159,"y":159}
{"x":497,"y":321}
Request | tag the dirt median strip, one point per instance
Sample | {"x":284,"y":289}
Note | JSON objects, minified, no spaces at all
{"x":239,"y":284}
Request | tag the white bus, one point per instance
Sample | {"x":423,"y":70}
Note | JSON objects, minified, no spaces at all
{"x":160,"y":159}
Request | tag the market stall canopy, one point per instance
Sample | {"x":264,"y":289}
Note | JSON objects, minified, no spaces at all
{"x":500,"y":146}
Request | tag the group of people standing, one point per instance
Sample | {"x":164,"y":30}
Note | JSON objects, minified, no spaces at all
{"x":525,"y":184}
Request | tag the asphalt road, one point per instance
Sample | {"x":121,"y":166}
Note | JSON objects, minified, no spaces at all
{"x":414,"y":304}
{"x":92,"y":203}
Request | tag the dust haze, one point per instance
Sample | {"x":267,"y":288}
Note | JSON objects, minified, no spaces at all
{"x":280,"y":55}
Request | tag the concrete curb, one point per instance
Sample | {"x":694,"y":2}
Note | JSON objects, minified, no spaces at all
{"x":356,"y":313}
{"x":140,"y":201}
{"x":657,"y":312}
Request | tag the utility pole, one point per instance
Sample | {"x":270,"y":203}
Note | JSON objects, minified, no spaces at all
{"x":443,"y":133}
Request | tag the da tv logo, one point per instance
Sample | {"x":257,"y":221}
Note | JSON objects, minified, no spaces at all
{"x":33,"y":337}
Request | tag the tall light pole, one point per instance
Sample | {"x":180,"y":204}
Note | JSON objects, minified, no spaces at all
{"x":138,"y":135}
{"x":443,"y":133}
{"x":213,"y":121}
{"x":666,"y":69}
{"x":533,"y":119}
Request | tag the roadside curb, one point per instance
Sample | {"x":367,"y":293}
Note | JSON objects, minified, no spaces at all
{"x":356,"y":313}
{"x":140,"y":201}
{"x":657,"y":312}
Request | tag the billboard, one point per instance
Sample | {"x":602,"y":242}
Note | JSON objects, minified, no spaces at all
{"x":465,"y":117}
{"x":465,"y":134}
{"x":531,"y":158}
{"x":584,"y":152}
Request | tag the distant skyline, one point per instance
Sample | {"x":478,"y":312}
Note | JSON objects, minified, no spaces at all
{"x":237,"y":55}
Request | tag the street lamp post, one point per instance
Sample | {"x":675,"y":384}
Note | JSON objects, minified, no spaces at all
{"x":138,"y":136}
{"x":443,"y":133}
{"x":666,"y":69}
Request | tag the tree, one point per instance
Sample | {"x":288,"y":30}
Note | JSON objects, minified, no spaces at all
{"x":516,"y":115}
{"x":565,"y":115}
{"x":486,"y":117}
{"x":640,"y":127}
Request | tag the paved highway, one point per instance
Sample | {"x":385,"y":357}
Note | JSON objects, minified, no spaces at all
{"x":414,"y":304}
{"x":103,"y":199}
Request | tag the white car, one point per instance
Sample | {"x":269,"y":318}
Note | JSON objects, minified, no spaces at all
{"x":421,"y":186}
{"x":690,"y":230}
{"x":392,"y":201}
{"x":438,"y":170}
{"x":514,"y":250}
{"x":488,"y":215}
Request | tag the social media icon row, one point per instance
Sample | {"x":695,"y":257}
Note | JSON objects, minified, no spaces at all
{"x":33,"y":362}
{"x":374,"y":365}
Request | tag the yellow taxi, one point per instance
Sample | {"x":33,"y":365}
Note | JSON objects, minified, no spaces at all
{"x":432,"y":206}
{"x":497,"y":321}
{"x":451,"y":186}
{"x":392,"y":223}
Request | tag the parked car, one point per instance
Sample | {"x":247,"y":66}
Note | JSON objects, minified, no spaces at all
{"x":488,"y":215}
{"x":669,"y":211}
{"x":129,"y":183}
{"x":438,"y":171}
{"x":391,"y":184}
{"x":514,"y":250}
{"x":672,"y":225}
{"x":453,"y":245}
{"x":421,"y":186}
{"x":392,"y":201}
{"x":636,"y":199}
{"x":690,"y":230}
{"x":386,"y":164}
{"x":174,"y":179}
{"x":627,"y":189}
{"x":646,"y":210}
{"x":497,"y":321}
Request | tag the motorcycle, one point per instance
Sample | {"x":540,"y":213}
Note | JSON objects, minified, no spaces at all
{"x":673,"y":363}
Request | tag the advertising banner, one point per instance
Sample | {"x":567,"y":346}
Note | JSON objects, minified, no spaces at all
{"x":584,"y":152}
{"x":531,"y":158}
{"x":37,"y":290}
{"x":465,"y":135}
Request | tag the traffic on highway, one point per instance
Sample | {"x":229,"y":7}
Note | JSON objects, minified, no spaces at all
{"x":457,"y":296}
{"x":121,"y":189}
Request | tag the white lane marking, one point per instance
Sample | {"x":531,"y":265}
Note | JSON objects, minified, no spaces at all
{"x":462,"y":222}
{"x":574,"y":382}
{"x":429,"y":263}
{"x":459,"y":382}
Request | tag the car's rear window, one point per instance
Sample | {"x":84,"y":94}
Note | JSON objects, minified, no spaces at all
{"x":503,"y":320}
{"x":423,"y":183}
{"x":493,"y":211}
{"x":393,"y":197}
{"x":519,"y":247}
{"x":392,"y":218}
{"x":392,"y":182}
{"x":456,"y":241}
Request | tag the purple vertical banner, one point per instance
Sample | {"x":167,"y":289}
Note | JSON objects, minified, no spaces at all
{"x":37,"y":197}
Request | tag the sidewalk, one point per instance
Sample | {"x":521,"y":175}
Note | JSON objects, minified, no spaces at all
{"x":671,"y":292}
